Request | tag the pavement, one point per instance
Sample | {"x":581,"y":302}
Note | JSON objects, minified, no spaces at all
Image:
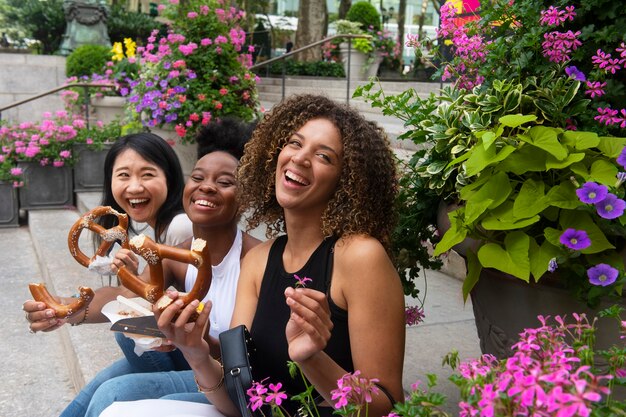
{"x":45,"y":370}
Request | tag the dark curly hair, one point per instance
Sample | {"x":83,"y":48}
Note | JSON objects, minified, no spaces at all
{"x":227,"y":134}
{"x":365,"y":195}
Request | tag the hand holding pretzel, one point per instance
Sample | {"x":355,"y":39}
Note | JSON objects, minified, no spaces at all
{"x":109,"y":236}
{"x":154,"y":253}
{"x":41,"y":294}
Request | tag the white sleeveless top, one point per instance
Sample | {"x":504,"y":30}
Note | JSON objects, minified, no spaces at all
{"x":223,"y":287}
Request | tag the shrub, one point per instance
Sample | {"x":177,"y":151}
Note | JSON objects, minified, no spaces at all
{"x":123,"y":24}
{"x":316,"y":69}
{"x":87,"y":60}
{"x":364,"y":13}
{"x":42,"y":20}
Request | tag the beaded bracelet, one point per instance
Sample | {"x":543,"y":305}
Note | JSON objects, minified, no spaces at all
{"x":212,"y":389}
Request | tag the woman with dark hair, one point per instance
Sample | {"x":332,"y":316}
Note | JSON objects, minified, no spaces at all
{"x":323,"y":180}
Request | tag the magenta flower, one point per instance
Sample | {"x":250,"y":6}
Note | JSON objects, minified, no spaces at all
{"x":611,"y":207}
{"x":602,"y":274}
{"x":276,"y":396}
{"x":16,"y":171}
{"x":413,"y":315}
{"x":621,"y":159}
{"x":301,"y":282}
{"x":575,"y":239}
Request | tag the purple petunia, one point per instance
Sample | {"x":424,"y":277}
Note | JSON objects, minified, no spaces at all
{"x":575,"y":239}
{"x":552,"y":265}
{"x":602,"y":274}
{"x":592,"y":193}
{"x":621,"y":159}
{"x":575,"y":74}
{"x":611,"y":207}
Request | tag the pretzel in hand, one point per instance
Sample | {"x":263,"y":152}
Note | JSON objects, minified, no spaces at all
{"x":109,"y":236}
{"x":154,"y":253}
{"x":41,"y":294}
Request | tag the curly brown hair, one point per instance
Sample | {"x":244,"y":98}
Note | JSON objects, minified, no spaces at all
{"x":364,"y":200}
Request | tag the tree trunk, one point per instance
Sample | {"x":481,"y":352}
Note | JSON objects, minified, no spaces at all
{"x":344,"y":6}
{"x":312,"y":25}
{"x":401,"y":19}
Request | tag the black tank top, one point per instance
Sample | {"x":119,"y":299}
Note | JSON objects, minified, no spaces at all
{"x":272,"y":315}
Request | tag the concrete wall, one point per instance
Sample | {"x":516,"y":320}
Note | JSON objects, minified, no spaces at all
{"x":23,"y":76}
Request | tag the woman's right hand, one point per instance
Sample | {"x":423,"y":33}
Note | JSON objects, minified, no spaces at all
{"x":125,"y":257}
{"x":40,"y":317}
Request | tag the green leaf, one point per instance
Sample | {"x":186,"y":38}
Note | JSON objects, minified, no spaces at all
{"x":473,"y":273}
{"x":488,"y":139}
{"x":436,"y":167}
{"x":552,"y":235}
{"x":502,"y":218}
{"x":611,"y":147}
{"x":495,"y":188}
{"x":603,"y":172}
{"x":525,"y":159}
{"x":563,"y":196}
{"x":540,"y":257}
{"x":515,"y":120}
{"x":580,"y":140}
{"x":553,"y":163}
{"x":545,"y":138}
{"x":530,"y":200}
{"x":455,"y":234}
{"x":513,"y":259}
{"x":481,"y":158}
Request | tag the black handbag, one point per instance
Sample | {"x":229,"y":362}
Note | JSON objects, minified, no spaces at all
{"x":237,"y":350}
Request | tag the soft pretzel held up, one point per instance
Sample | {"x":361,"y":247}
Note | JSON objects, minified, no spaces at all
{"x":109,"y":236}
{"x":154,"y":253}
{"x":40,"y":293}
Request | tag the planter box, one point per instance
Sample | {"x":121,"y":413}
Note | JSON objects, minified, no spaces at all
{"x":45,"y":187}
{"x":9,"y":211}
{"x":359,"y":68}
{"x":108,"y":109}
{"x":89,"y":168}
{"x":187,"y":152}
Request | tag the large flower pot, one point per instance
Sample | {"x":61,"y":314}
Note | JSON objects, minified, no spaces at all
{"x":504,"y":306}
{"x":89,"y":167}
{"x":45,"y":187}
{"x":187,"y":152}
{"x":360,"y":68}
{"x":9,"y":210}
{"x":108,"y":109}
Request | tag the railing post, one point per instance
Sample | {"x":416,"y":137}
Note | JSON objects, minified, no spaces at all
{"x":283,"y":82}
{"x":348,"y":75}
{"x":86,"y":105}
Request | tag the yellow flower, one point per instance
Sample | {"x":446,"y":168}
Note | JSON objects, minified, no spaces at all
{"x":131,"y":46}
{"x":118,"y":52}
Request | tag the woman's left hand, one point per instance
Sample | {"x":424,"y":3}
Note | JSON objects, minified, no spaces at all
{"x":186,"y":336}
{"x":309,"y":326}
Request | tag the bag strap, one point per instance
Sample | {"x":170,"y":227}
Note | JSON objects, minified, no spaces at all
{"x":242,"y":402}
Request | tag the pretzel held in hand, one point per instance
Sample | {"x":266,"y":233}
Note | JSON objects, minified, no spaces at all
{"x":154,"y":253}
{"x":109,"y":236}
{"x":40,"y":293}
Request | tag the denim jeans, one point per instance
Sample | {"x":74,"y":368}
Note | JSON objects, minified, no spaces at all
{"x":175,"y":385}
{"x":148,"y":362}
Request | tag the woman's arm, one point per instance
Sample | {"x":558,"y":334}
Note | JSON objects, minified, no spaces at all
{"x":366,"y":284}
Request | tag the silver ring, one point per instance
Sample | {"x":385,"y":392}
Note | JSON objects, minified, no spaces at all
{"x":31,"y":331}
{"x":26,"y":316}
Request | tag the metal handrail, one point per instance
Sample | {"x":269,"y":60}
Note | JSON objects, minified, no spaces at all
{"x":86,"y":86}
{"x":312,"y":45}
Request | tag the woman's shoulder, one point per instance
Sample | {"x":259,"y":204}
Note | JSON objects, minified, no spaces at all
{"x":248,"y":242}
{"x":179,"y":230}
{"x":359,"y":247}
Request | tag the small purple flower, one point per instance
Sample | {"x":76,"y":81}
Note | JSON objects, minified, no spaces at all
{"x":301,"y":282}
{"x":621,"y":159}
{"x":611,"y":207}
{"x":575,"y":239}
{"x":413,"y":315}
{"x":621,"y":177}
{"x":602,"y":274}
{"x":552,"y":265}
{"x":575,"y":74}
{"x":592,"y":193}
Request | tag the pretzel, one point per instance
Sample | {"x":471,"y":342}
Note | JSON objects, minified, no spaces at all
{"x":154,"y":253}
{"x":40,"y":293}
{"x":109,"y":236}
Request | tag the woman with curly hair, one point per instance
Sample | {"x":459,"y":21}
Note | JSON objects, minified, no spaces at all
{"x":323,"y":292}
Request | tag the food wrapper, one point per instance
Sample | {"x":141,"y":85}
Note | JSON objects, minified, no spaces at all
{"x":101,"y":265}
{"x":115,"y":310}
